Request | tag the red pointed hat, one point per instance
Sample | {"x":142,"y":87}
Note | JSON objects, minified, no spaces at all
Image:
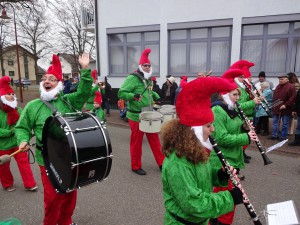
{"x":243,"y":65}
{"x":145,"y":57}
{"x":55,"y":68}
{"x":4,"y":86}
{"x":94,"y":74}
{"x":98,"y":97}
{"x":193,"y":102}
{"x":230,"y":75}
{"x":153,"y":78}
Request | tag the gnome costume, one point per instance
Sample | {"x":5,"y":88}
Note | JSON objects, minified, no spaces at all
{"x":229,"y":135}
{"x":187,"y":186}
{"x":9,"y":115}
{"x":139,"y":83}
{"x":58,"y":207}
{"x":90,"y":103}
{"x":99,"y":112}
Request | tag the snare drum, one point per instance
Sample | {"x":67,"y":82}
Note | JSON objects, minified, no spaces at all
{"x":150,"y":121}
{"x":168,"y":111}
{"x":76,"y":151}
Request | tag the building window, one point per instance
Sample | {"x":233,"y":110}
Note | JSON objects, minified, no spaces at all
{"x":199,"y":49}
{"x":125,"y":50}
{"x":273,"y":47}
{"x":11,"y":73}
{"x":10,"y":62}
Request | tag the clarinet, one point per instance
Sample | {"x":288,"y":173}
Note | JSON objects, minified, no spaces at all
{"x":257,"y":141}
{"x":254,"y":95}
{"x":259,"y":94}
{"x":235,"y":182}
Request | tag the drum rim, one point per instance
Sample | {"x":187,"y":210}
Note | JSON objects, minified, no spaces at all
{"x":106,"y":143}
{"x":75,"y":150}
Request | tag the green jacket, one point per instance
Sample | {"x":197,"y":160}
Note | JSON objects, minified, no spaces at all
{"x":100,"y":113}
{"x":136,"y":84}
{"x":247,"y":104}
{"x":7,"y":133}
{"x":90,"y":102}
{"x":229,"y":137}
{"x":188,"y":191}
{"x":36,"y":112}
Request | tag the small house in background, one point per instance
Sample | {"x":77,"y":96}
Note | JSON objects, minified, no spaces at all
{"x":69,"y":64}
{"x":10,"y":63}
{"x":41,"y":72}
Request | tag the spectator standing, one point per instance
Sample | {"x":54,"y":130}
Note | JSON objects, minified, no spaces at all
{"x":106,"y":92}
{"x":294,"y":81}
{"x":263,"y":117}
{"x":262,"y":78}
{"x":168,"y":91}
{"x":296,"y":114}
{"x":285,"y":92}
{"x":12,"y":81}
{"x":74,"y":85}
{"x":67,"y":84}
{"x":9,"y":115}
{"x":155,"y":86}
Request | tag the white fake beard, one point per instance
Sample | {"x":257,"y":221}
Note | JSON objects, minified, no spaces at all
{"x":228,"y":101}
{"x":199,"y":134}
{"x":50,"y":95}
{"x":146,"y":75}
{"x":12,"y":104}
{"x":239,"y":83}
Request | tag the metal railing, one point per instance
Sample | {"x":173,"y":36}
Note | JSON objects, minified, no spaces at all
{"x":87,"y":18}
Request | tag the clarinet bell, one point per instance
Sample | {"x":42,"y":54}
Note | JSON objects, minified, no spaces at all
{"x":266,"y":159}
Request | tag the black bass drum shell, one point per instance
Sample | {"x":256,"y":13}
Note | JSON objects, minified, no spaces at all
{"x":76,"y":151}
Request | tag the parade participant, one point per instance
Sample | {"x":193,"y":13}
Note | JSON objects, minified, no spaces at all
{"x":97,"y":106}
{"x":58,"y":208}
{"x":246,"y":100}
{"x":229,"y":134}
{"x":187,"y":176}
{"x":286,"y":92}
{"x":137,"y":91}
{"x":96,"y":85}
{"x":9,"y":115}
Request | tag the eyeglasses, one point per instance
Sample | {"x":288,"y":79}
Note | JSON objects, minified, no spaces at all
{"x":146,"y":66}
{"x":49,"y":79}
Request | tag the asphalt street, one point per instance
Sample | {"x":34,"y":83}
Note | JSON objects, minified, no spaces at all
{"x":128,"y":199}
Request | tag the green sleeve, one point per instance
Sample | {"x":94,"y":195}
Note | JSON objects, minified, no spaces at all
{"x":155,"y":96}
{"x":127,"y":88}
{"x":78,"y":98}
{"x":221,"y":134}
{"x":5,"y":133}
{"x":191,"y":198}
{"x":215,"y":178}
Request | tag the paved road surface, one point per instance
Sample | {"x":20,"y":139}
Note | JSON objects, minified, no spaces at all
{"x":128,"y":199}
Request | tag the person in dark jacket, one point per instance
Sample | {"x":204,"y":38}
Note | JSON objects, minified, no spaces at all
{"x":296,"y":113}
{"x":67,"y":85}
{"x":155,"y":86}
{"x":168,"y":91}
{"x":106,"y":94}
{"x":284,"y":91}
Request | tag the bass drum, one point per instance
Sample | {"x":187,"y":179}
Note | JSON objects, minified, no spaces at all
{"x":76,"y":151}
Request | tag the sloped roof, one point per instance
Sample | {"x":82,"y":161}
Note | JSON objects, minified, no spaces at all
{"x":72,"y":60}
{"x":41,"y":70}
{"x":13,"y":48}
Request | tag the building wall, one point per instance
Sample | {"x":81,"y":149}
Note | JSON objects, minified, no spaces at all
{"x":118,"y":14}
{"x":12,"y":56}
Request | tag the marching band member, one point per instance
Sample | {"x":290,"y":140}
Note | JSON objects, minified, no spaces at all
{"x":58,"y":208}
{"x":9,"y":115}
{"x":136,"y":89}
{"x":187,"y":175}
{"x":90,"y":103}
{"x":229,"y":135}
{"x":246,"y":100}
{"x":97,"y":106}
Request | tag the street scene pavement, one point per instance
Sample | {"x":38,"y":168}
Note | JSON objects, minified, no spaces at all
{"x":126,"y":198}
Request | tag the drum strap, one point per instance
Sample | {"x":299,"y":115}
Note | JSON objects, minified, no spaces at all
{"x":54,"y":110}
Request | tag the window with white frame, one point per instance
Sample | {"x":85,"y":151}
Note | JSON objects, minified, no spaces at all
{"x":273,"y":47}
{"x":125,"y":50}
{"x":199,"y":50}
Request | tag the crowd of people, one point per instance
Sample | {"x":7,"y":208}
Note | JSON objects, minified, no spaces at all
{"x":196,"y":188}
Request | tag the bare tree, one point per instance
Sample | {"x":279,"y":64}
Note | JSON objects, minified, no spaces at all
{"x":35,"y":32}
{"x":3,"y":43}
{"x":73,"y":39}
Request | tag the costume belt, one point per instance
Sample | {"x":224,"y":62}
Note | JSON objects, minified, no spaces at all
{"x":181,"y":220}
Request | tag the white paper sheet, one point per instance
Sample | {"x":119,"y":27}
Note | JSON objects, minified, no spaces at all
{"x":282,"y":213}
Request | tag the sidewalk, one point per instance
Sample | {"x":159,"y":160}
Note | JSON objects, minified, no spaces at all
{"x":115,"y":120}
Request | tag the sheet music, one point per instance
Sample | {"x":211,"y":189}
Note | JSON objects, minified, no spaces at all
{"x":282,"y":213}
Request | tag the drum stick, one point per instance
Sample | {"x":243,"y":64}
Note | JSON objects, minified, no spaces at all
{"x":6,"y":158}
